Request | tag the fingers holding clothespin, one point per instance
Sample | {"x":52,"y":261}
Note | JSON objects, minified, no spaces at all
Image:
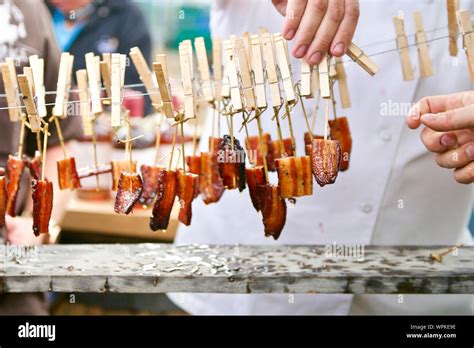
{"x":10,"y":83}
{"x":403,"y":48}
{"x":465,"y":25}
{"x":424,"y":60}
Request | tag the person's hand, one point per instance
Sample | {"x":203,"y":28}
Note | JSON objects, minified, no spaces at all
{"x":318,"y":26}
{"x":19,"y":232}
{"x":448,"y":132}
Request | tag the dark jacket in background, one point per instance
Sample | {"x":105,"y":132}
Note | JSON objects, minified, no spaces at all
{"x":115,"y":27}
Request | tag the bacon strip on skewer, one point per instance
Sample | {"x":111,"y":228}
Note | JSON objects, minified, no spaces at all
{"x":121,"y":166}
{"x":210,"y":182}
{"x":130,"y":188}
{"x":3,"y":197}
{"x":255,"y":177}
{"x":67,"y":174}
{"x":307,"y":142}
{"x":281,"y":148}
{"x":325,"y":160}
{"x":186,"y":192}
{"x":15,"y":168}
{"x":167,"y":187}
{"x":273,"y":208}
{"x":42,"y":193}
{"x":194,"y":164}
{"x":294,"y":176}
{"x":150,"y":176}
{"x":339,"y":130}
{"x":34,"y":165}
{"x":231,"y":164}
{"x":252,"y":145}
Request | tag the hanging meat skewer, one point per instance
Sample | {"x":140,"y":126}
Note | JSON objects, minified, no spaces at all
{"x":15,"y":168}
{"x":130,"y":188}
{"x":295,"y":176}
{"x":231,"y":161}
{"x":119,"y":166}
{"x":34,"y":166}
{"x":273,"y":208}
{"x":339,"y":130}
{"x":3,"y":197}
{"x":150,"y":176}
{"x":166,"y":193}
{"x":255,"y":177}
{"x":67,"y":174}
{"x":186,"y":191}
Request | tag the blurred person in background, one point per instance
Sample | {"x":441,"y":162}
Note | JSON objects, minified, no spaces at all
{"x":393,"y":192}
{"x":101,"y":26}
{"x":26,"y":30}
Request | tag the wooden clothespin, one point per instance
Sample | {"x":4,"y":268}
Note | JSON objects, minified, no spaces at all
{"x":185,"y":60}
{"x":359,"y":56}
{"x":424,"y":60}
{"x":116,"y":90}
{"x":324,"y":83}
{"x":272,"y":76}
{"x":453,"y":7}
{"x":61,"y":89}
{"x":26,"y":90}
{"x":11,"y":89}
{"x":306,"y":79}
{"x":203,"y":65}
{"x":245,"y":75}
{"x":465,"y":24}
{"x":85,"y":106}
{"x":258,"y":74}
{"x":146,"y":76}
{"x":248,"y":47}
{"x":161,"y":73}
{"x":161,"y":58}
{"x":94,"y":83}
{"x":37,"y":66}
{"x":217,"y":67}
{"x":342,"y":83}
{"x":332,"y":68}
{"x":403,"y":48}
{"x":234,"y":85}
{"x":284,"y":66}
{"x":105,"y":69}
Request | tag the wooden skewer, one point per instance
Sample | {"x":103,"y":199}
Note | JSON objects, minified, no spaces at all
{"x":172,"y":147}
{"x":43,"y":157}
{"x":262,"y":147}
{"x":277,"y":120}
{"x":60,"y":136}
{"x":303,"y":108}
{"x":158,"y":140}
{"x":22,"y":137}
{"x":182,"y":143}
{"x":326,"y":121}
{"x":94,"y":145}
{"x":315,"y":112}
{"x":290,"y":125}
{"x":195,"y":135}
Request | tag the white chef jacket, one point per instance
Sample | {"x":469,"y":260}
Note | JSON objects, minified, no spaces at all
{"x":393,"y":192}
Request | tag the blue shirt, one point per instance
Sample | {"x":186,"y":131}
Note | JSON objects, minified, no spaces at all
{"x":65,"y":35}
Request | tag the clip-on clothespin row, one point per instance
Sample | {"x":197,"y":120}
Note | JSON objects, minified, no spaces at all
{"x":161,"y":72}
{"x":424,"y":60}
{"x":10,"y":83}
{"x":221,"y":85}
{"x":284,"y":67}
{"x":28,"y":99}
{"x":94,"y":81}
{"x":246,"y":82}
{"x":260,"y":94}
{"x":62,"y":95}
{"x":453,"y":7}
{"x":403,"y":48}
{"x":465,"y":24}
{"x":272,"y":77}
{"x":235,"y":96}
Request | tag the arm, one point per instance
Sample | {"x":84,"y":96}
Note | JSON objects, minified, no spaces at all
{"x":318,"y":26}
{"x":448,"y":131}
